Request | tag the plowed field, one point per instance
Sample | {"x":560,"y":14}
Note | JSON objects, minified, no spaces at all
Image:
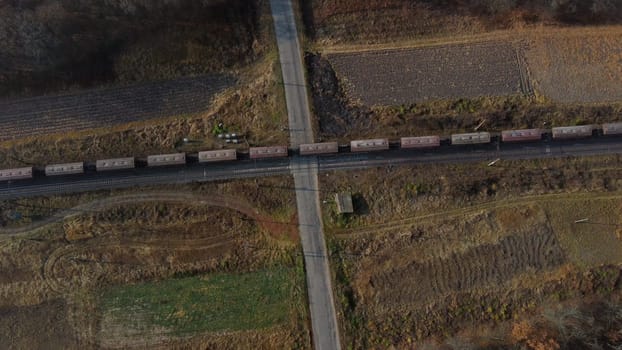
{"x":485,"y":265}
{"x":108,"y":107}
{"x":402,"y":77}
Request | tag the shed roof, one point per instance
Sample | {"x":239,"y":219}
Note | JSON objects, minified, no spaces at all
{"x":344,"y":202}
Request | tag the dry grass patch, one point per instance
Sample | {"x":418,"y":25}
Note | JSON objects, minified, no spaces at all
{"x":593,"y":242}
{"x":578,"y":67}
{"x":390,"y":196}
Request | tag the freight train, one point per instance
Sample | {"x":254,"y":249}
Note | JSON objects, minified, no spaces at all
{"x":380,"y":144}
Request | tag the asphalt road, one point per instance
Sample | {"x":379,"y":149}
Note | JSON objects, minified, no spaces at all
{"x":292,"y":67}
{"x":324,"y":328}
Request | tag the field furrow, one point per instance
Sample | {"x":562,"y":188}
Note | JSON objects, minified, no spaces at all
{"x":479,"y":266}
{"x":401,"y":77}
{"x":107,"y":107}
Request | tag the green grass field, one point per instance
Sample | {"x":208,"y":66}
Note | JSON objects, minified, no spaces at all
{"x":221,"y":302}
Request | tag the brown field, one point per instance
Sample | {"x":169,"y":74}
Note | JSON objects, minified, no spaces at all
{"x":403,"y":77}
{"x":44,"y":325}
{"x":434,"y":250}
{"x":340,"y":87}
{"x":61,"y":271}
{"x":578,"y":67}
{"x":108,"y":107}
{"x":564,"y":65}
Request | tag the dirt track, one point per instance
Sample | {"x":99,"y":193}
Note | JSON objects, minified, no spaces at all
{"x":163,"y":197}
{"x":108,"y":107}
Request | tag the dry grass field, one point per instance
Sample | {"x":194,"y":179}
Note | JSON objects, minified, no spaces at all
{"x":433,"y":251}
{"x":213,"y":265}
{"x":403,"y":77}
{"x":578,"y":66}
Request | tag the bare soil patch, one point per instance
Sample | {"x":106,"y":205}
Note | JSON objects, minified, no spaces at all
{"x":485,"y":265}
{"x":402,"y":77}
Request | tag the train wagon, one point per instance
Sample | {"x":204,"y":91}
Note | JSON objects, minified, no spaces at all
{"x":572,"y":132}
{"x":612,"y":128}
{"x":64,"y":169}
{"x":268,"y":152}
{"x":470,"y":138}
{"x":319,"y":148}
{"x":115,"y":164}
{"x":16,"y":174}
{"x":369,"y":145}
{"x":217,"y":156}
{"x":521,"y":135}
{"x":166,"y":159}
{"x":420,"y":142}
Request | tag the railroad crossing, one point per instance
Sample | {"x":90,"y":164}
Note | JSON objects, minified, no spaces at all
{"x":324,"y":327}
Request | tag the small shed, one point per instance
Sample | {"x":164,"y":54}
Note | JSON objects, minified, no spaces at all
{"x":344,"y":203}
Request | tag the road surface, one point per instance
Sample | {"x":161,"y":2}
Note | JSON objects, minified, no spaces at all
{"x":324,"y":328}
